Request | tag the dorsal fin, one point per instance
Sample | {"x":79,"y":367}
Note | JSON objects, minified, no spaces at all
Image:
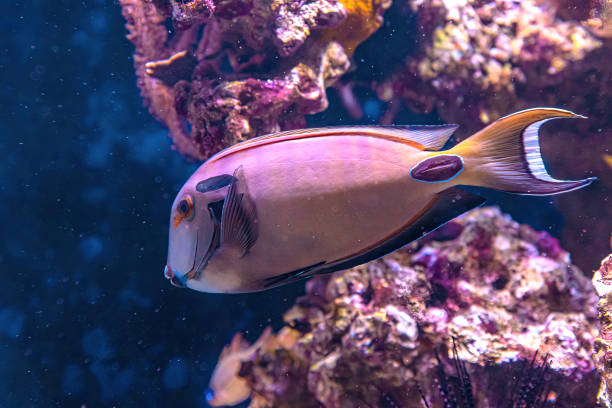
{"x":423,"y":137}
{"x":432,"y":137}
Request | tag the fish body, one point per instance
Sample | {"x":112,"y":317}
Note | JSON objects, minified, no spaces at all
{"x":283,"y":207}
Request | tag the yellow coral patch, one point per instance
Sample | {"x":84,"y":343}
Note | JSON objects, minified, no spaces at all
{"x":364,"y":18}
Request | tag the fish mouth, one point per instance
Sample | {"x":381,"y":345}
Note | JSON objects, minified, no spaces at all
{"x":196,"y":271}
{"x":173,"y":278}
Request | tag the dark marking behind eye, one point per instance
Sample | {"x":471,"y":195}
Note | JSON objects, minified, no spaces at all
{"x":215,"y":183}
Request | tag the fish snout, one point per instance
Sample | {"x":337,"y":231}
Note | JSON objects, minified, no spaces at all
{"x":174,"y":280}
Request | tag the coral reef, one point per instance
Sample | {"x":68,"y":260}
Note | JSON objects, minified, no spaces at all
{"x":602,"y":280}
{"x":368,"y":335}
{"x":482,"y":60}
{"x":235,"y":69}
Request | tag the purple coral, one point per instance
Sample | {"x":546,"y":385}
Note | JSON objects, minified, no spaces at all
{"x":362,"y":337}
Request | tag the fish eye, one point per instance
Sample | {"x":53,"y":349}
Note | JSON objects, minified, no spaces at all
{"x":185,"y":207}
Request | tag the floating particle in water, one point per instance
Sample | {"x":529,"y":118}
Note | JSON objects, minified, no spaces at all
{"x":175,"y":375}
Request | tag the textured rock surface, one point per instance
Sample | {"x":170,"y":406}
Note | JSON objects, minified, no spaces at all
{"x":235,"y":69}
{"x":486,"y":59}
{"x":602,"y":280}
{"x":363,"y":337}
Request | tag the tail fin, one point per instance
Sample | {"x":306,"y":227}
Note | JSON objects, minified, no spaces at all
{"x":506,"y":155}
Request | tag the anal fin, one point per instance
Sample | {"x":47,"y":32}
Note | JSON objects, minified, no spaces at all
{"x":292,"y":276}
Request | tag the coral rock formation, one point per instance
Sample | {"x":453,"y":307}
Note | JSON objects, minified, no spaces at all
{"x":235,"y":69}
{"x":602,"y":280}
{"x":366,"y":336}
{"x":489,"y":58}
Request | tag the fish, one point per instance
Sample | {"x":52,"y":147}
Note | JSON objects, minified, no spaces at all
{"x":226,"y":387}
{"x":283,"y":207}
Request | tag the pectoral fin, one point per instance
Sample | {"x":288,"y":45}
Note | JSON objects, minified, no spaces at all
{"x":239,"y":218}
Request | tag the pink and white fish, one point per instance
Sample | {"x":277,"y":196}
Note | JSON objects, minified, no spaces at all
{"x":283,"y":207}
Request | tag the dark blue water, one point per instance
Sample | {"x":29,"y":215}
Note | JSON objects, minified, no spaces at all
{"x":86,"y":182}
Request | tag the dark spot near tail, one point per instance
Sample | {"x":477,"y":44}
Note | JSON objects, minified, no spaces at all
{"x":437,"y":168}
